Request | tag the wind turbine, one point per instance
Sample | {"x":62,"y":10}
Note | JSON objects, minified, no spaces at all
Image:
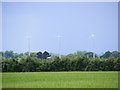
{"x":59,"y":41}
{"x":92,"y":36}
{"x":28,"y":39}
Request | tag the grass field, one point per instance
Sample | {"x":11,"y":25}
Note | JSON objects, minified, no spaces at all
{"x":60,"y":80}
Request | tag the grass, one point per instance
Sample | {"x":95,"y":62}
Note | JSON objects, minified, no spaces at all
{"x":60,"y":80}
{"x":0,"y":81}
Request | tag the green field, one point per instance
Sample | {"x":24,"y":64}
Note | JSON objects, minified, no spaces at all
{"x":60,"y":80}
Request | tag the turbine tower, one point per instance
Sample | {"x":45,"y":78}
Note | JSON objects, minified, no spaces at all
{"x":92,"y":36}
{"x":59,"y":45}
{"x":28,"y":39}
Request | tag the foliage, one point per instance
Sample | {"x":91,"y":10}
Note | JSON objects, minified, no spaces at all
{"x":44,"y":55}
{"x":65,"y":63}
{"x":108,"y":54}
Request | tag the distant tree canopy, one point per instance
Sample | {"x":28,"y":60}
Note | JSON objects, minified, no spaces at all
{"x":108,"y":54}
{"x":79,"y":61}
{"x":11,"y":54}
{"x":45,"y":55}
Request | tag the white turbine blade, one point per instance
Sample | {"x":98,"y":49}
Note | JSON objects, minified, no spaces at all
{"x":59,"y":36}
{"x":92,"y":36}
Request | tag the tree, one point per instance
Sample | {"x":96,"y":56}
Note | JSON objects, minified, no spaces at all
{"x":65,"y":63}
{"x":55,"y":65}
{"x":72,"y":55}
{"x":117,"y":64}
{"x":53,"y":55}
{"x":8,"y":54}
{"x":33,"y":54}
{"x":115,"y":54}
{"x":16,"y":55}
{"x":81,"y":53}
{"x":26,"y":54}
{"x":1,"y":54}
{"x":106,"y":55}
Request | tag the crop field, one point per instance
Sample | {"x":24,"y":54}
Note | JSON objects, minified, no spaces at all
{"x":60,"y":80}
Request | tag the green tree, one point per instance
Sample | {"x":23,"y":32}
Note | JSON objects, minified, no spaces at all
{"x":117,"y":64}
{"x":55,"y":65}
{"x":81,"y":53}
{"x":8,"y":54}
{"x":115,"y":54}
{"x":33,"y":54}
{"x":106,"y":55}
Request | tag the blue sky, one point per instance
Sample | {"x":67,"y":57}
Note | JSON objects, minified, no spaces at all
{"x":75,"y":22}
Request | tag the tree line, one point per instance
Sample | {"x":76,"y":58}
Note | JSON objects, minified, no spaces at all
{"x":65,"y":63}
{"x":11,"y":54}
{"x":107,"y":54}
{"x":45,"y":54}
